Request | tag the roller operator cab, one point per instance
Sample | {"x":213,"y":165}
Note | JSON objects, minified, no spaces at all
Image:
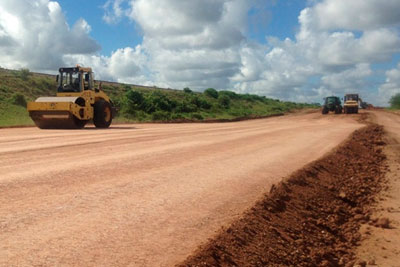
{"x":77,"y":102}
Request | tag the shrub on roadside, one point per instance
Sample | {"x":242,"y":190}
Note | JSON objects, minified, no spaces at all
{"x":24,"y":74}
{"x":197,"y":116}
{"x":252,"y":98}
{"x":224,"y":101}
{"x":177,"y":116}
{"x":161,"y":116}
{"x":18,"y":99}
{"x":211,"y":92}
{"x":201,"y":102}
{"x":186,"y":107}
{"x":132,"y":102}
{"x":159,"y":101}
{"x":136,"y":98}
{"x":187,"y":90}
{"x":126,"y":87}
{"x":395,"y":101}
{"x":232,"y":95}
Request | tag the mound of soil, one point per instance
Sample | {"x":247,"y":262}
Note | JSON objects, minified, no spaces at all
{"x":310,"y":219}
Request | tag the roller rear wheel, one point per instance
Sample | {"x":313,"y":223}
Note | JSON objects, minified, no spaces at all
{"x":102,"y":114}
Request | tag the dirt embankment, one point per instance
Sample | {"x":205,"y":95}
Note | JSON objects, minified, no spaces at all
{"x":310,"y":219}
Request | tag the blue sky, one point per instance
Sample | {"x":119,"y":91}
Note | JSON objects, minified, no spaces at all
{"x":278,"y":19}
{"x":292,"y":50}
{"x":110,"y":36}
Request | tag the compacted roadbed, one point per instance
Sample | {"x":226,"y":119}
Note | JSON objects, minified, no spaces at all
{"x":144,"y":194}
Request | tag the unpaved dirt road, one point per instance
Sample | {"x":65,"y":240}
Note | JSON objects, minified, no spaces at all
{"x":144,"y":194}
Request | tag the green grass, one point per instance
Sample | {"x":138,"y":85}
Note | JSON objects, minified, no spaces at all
{"x":140,"y":104}
{"x":13,"y":115}
{"x":395,"y":102}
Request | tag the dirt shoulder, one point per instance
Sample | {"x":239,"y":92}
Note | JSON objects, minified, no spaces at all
{"x":381,"y":237}
{"x":313,"y":217}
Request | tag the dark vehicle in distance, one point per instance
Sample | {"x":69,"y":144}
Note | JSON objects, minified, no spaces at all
{"x":332,"y":103}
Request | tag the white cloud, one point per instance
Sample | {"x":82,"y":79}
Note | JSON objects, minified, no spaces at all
{"x":348,"y":80}
{"x":169,"y":18}
{"x":35,"y":34}
{"x":343,"y":48}
{"x":352,"y":80}
{"x":356,"y":14}
{"x":192,"y":43}
{"x":203,"y":43}
{"x":320,"y":61}
{"x":126,"y":65}
{"x":391,"y":85}
{"x":114,"y":11}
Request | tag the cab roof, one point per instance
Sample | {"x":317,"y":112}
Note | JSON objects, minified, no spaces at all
{"x":75,"y":69}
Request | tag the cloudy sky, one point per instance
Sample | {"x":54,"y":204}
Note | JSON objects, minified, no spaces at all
{"x":287,"y":49}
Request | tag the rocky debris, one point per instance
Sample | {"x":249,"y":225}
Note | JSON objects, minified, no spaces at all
{"x":361,"y":263}
{"x":382,"y":223}
{"x":310,"y":219}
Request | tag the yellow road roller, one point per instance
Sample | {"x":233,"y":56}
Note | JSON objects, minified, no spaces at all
{"x":77,"y":102}
{"x":351,"y":103}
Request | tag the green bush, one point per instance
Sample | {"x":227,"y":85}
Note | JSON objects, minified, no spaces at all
{"x":211,"y":92}
{"x":186,"y":107}
{"x":159,"y":101}
{"x":127,"y":87}
{"x":197,"y":116}
{"x":395,"y":101}
{"x":117,"y":101}
{"x":232,"y":95}
{"x":135,"y":97}
{"x":224,"y":101}
{"x":204,"y":104}
{"x":177,"y":116}
{"x":201,"y":102}
{"x":278,"y":109}
{"x":24,"y":74}
{"x":161,"y":116}
{"x":187,"y":90}
{"x":44,"y":84}
{"x":18,"y":99}
{"x":4,"y":88}
{"x":252,"y":98}
{"x":132,"y":102}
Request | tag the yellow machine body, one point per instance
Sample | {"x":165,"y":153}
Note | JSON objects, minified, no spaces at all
{"x":74,"y":105}
{"x":350,"y":104}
